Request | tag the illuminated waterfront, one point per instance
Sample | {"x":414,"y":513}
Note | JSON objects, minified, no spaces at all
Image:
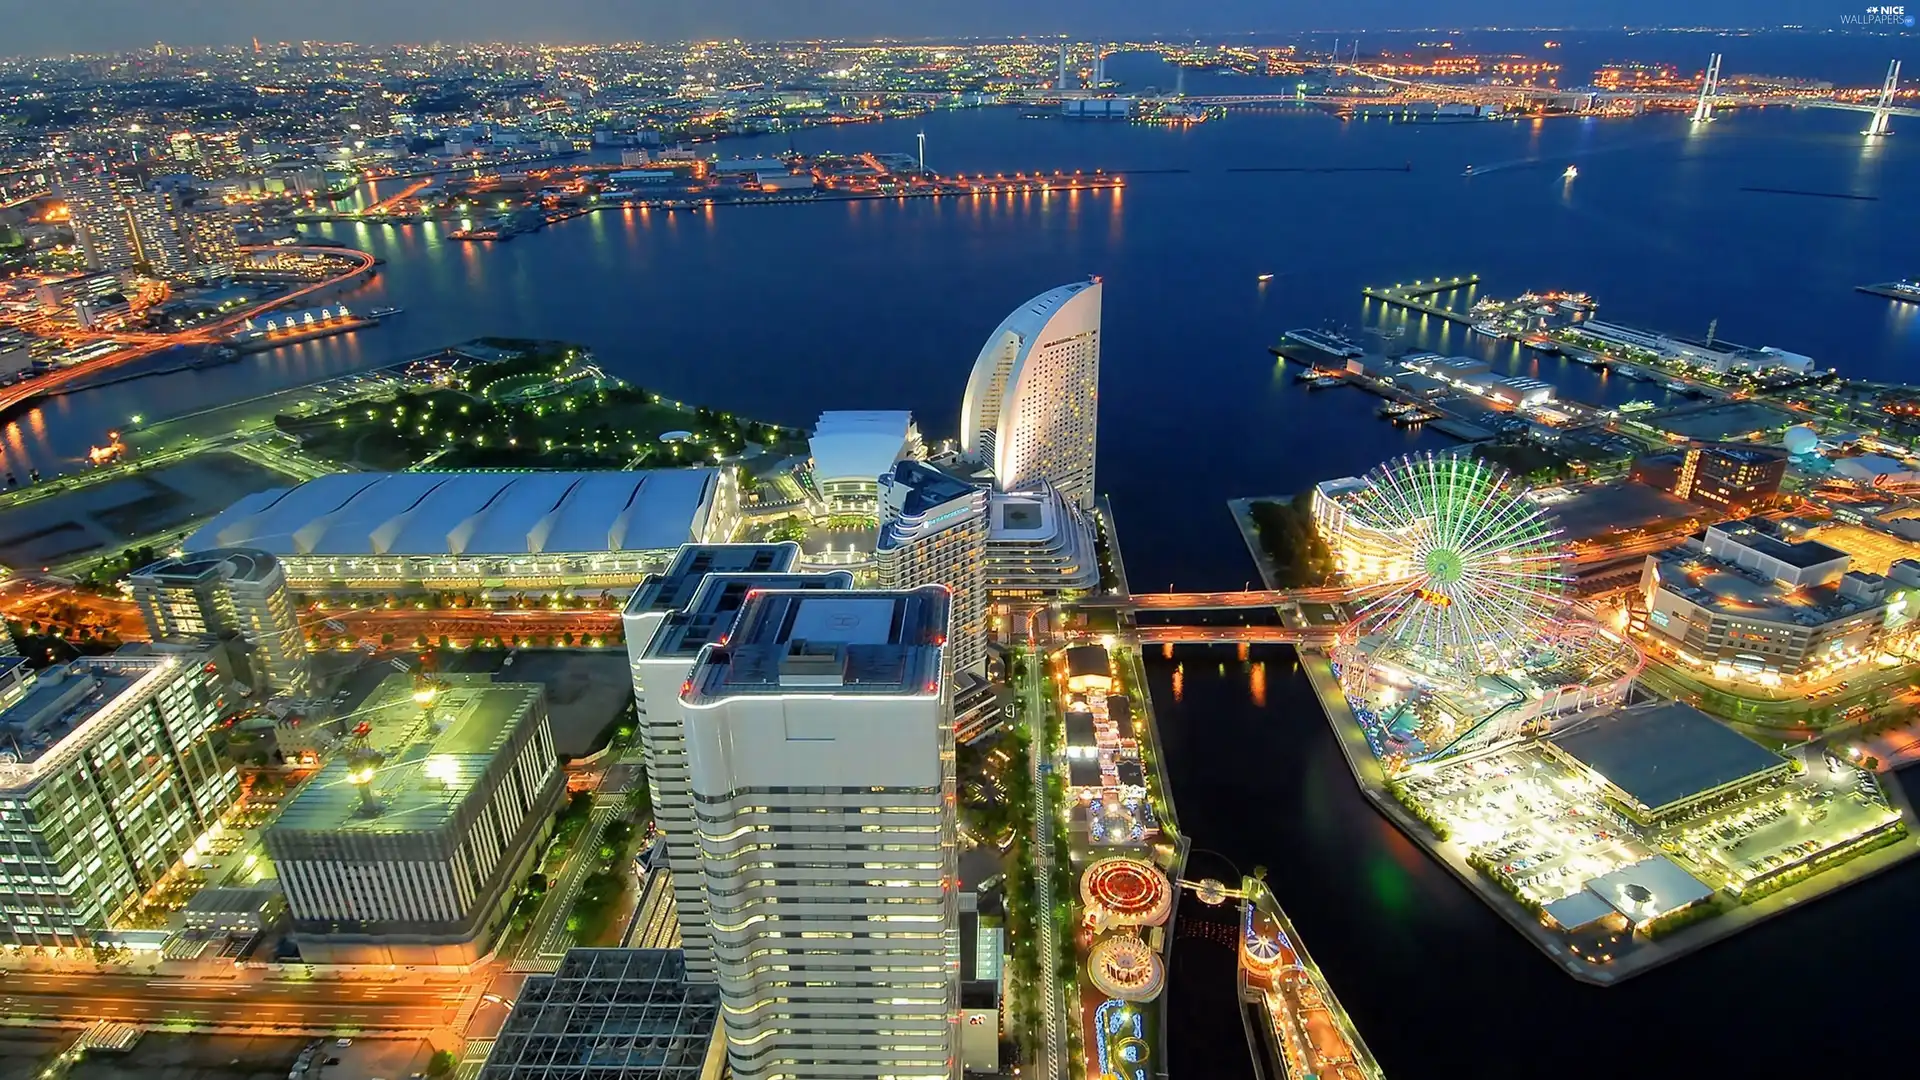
{"x":1260,"y":780}
{"x":880,"y":304}
{"x":869,"y":304}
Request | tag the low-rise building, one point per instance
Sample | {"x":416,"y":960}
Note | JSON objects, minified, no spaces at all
{"x":417,"y":531}
{"x":1745,"y":601}
{"x":1732,"y":477}
{"x":1365,"y":554}
{"x":411,"y":853}
{"x":235,"y":910}
{"x":1039,"y":545}
{"x":1710,"y":353}
{"x":611,"y":1014}
{"x":851,"y":450}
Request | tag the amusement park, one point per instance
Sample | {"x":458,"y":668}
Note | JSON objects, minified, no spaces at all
{"x":1493,"y":717}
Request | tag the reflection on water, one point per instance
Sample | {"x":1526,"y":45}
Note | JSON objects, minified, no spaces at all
{"x":782,"y":312}
{"x":1438,"y":985}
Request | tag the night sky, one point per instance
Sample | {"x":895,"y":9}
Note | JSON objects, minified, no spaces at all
{"x":48,"y":27}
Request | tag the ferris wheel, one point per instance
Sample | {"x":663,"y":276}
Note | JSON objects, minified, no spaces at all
{"x":1485,"y":569}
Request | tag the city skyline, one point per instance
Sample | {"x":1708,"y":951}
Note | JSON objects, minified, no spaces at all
{"x":125,"y":25}
{"x":560,"y":582}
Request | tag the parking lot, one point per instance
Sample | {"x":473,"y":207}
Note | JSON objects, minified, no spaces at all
{"x":1540,"y":827}
{"x":1747,"y":838}
{"x":1548,"y":830}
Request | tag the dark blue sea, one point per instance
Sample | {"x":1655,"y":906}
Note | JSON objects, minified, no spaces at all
{"x":781,"y":312}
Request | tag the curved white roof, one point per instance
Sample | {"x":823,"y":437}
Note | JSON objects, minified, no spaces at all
{"x":1018,"y":414}
{"x":861,"y":445}
{"x":469,"y":513}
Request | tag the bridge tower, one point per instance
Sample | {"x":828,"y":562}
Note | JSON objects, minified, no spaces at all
{"x":1180,"y":81}
{"x":1709,"y":86}
{"x":1062,"y":83}
{"x":1882,"y":112}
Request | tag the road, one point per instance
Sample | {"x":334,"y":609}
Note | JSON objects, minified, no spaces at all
{"x":1244,"y":598}
{"x":1053,"y":1038}
{"x":318,"y":1005}
{"x":1229,"y":635}
{"x":141,"y":344}
{"x":548,"y":938}
{"x":460,"y":626}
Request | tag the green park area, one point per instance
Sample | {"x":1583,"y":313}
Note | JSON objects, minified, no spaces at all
{"x":1296,"y":556}
{"x":543,"y":406}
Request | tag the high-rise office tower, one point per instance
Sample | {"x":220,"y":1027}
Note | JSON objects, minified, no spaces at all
{"x":820,"y":756}
{"x":933,"y":531}
{"x":1031,"y":408}
{"x":155,"y":220}
{"x":109,"y":778}
{"x":669,"y":619}
{"x":222,"y":592}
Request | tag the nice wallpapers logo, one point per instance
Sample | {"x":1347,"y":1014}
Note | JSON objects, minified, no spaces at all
{"x":1880,"y":16}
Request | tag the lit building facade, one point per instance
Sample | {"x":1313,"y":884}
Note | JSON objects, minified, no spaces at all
{"x":119,"y":226}
{"x":414,"y":531}
{"x":222,"y":592}
{"x":1039,"y":546}
{"x":668,"y":620}
{"x":411,"y":855}
{"x":820,"y":749}
{"x":934,"y":532}
{"x":1734,"y":478}
{"x":1366,"y":555}
{"x":99,"y":220}
{"x":110,"y":777}
{"x":1747,"y":602}
{"x":1030,"y":413}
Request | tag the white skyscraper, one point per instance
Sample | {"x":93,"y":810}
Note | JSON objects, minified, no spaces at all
{"x":820,"y":756}
{"x":933,"y":531}
{"x":1031,"y":407}
{"x":669,"y":619}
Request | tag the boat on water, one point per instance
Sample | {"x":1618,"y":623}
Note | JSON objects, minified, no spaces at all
{"x":1570,"y":173}
{"x":1264,"y":278}
{"x":1491,"y":329}
{"x":1329,"y":343}
{"x":383,"y":312}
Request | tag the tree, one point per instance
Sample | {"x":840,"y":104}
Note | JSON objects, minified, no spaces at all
{"x":441,"y":1063}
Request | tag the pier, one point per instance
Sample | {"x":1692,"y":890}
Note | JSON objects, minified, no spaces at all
{"x":1908,"y":291}
{"x":1410,"y":296}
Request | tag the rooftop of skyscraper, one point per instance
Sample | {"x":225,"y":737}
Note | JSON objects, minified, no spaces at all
{"x":59,"y":702}
{"x":674,"y":588}
{"x":715,"y":608}
{"x":840,"y":643}
{"x":241,"y":564}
